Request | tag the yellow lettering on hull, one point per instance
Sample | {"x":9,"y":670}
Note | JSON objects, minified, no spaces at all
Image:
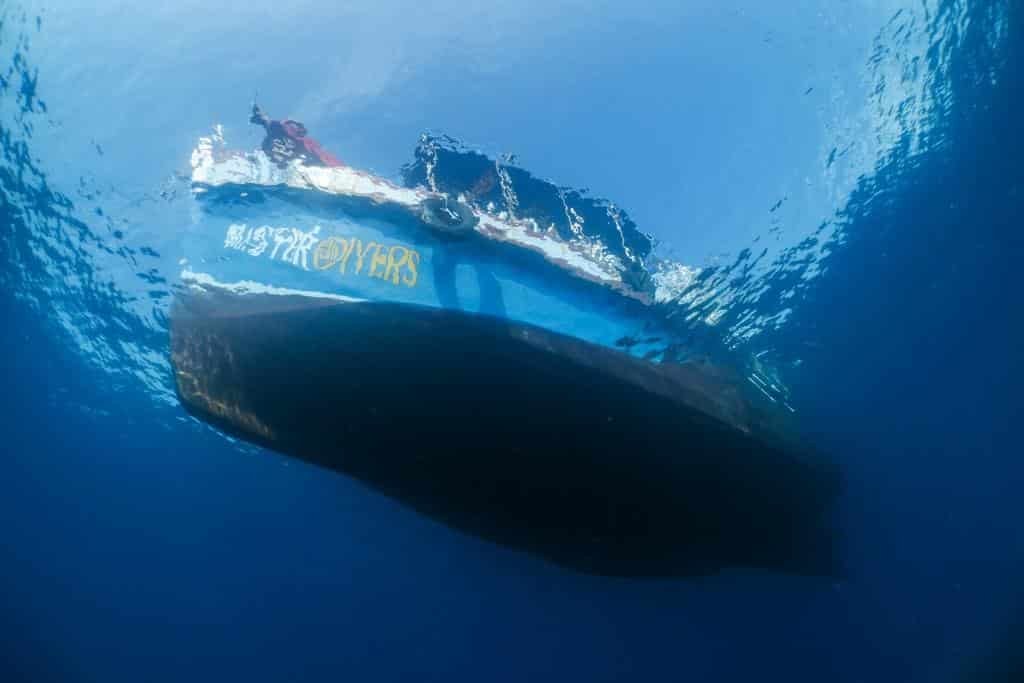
{"x":412,"y":277}
{"x":393,"y":263}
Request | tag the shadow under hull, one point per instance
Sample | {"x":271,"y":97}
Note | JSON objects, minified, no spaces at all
{"x":596,"y":460}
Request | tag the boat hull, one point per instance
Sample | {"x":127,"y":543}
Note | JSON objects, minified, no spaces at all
{"x":584,"y":455}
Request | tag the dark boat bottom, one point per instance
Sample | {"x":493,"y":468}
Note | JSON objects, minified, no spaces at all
{"x":584,"y":455}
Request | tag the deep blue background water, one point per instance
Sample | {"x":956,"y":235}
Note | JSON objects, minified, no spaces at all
{"x":137,"y":544}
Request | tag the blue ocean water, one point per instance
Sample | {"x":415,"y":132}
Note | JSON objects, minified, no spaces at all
{"x":846,"y":175}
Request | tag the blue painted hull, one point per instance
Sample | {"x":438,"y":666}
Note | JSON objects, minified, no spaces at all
{"x":294,"y":240}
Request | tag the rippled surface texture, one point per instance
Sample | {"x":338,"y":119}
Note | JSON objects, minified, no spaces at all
{"x":834,"y":195}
